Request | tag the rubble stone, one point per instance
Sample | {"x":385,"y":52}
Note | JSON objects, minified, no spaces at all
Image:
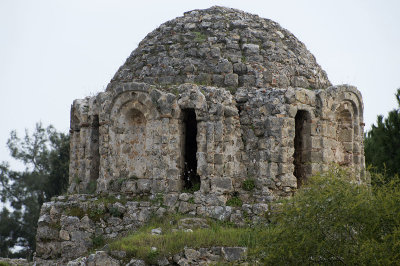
{"x":205,"y":103}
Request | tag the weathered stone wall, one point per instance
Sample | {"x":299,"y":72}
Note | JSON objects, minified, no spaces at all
{"x":202,"y":256}
{"x":249,"y":135}
{"x":265,"y":119}
{"x":69,"y":225}
{"x":14,"y":262}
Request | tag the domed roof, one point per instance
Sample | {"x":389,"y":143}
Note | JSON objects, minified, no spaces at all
{"x":222,"y":47}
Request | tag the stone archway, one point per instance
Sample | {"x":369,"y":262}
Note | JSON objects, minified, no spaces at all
{"x":131,"y":142}
{"x":302,"y":147}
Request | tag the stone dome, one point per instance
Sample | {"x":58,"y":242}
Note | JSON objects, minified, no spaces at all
{"x":222,"y":47}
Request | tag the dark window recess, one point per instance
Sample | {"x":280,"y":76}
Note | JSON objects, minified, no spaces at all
{"x":190,"y":177}
{"x":94,"y":149}
{"x":302,"y":147}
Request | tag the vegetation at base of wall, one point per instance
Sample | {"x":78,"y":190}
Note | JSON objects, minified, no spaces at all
{"x":45,"y":155}
{"x":3,"y":263}
{"x":91,"y":187}
{"x":194,"y":188}
{"x":330,"y":220}
{"x":98,"y":241}
{"x":140,"y":243}
{"x":248,"y":184}
{"x":111,"y":199}
{"x":115,"y":212}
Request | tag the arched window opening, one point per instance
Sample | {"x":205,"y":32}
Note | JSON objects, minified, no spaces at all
{"x":302,"y":147}
{"x":344,"y":135}
{"x":191,"y":180}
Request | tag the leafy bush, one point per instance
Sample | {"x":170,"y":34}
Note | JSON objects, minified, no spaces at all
{"x":96,"y":213}
{"x":335,"y":221}
{"x":98,"y":241}
{"x":234,"y":202}
{"x":248,"y":184}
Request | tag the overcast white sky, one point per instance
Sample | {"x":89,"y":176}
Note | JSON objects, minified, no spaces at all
{"x":52,"y":51}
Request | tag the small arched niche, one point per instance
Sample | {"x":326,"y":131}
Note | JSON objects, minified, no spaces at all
{"x":132,"y":142}
{"x":344,"y":135}
{"x":302,"y":147}
{"x":134,"y":117}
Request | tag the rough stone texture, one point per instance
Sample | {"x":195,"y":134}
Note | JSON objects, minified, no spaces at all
{"x":248,"y":135}
{"x":266,"y":119}
{"x":82,"y":218}
{"x":14,"y":262}
{"x":222,"y":47}
{"x":202,"y":256}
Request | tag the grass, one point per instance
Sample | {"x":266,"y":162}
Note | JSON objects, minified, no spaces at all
{"x":140,"y":243}
{"x":111,"y":199}
{"x":75,"y":211}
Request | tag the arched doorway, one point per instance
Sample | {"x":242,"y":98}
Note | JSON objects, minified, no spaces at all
{"x":302,"y":147}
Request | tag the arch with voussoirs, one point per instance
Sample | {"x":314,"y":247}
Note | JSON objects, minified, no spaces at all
{"x":349,"y":124}
{"x":130,"y":116}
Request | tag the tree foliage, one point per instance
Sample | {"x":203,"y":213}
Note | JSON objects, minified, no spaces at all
{"x":382,"y":143}
{"x":332,"y":221}
{"x":45,"y":155}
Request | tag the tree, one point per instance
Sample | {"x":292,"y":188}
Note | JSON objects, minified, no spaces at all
{"x":45,"y":155}
{"x":382,"y":143}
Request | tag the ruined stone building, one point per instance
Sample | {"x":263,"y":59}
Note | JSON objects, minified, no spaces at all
{"x":220,"y":102}
{"x":215,"y":97}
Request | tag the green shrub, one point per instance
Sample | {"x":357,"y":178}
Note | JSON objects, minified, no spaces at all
{"x":98,"y":241}
{"x":95,"y":214}
{"x":115,"y":212}
{"x":335,"y":221}
{"x":234,"y":202}
{"x":191,"y":200}
{"x":91,"y":187}
{"x":248,"y":184}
